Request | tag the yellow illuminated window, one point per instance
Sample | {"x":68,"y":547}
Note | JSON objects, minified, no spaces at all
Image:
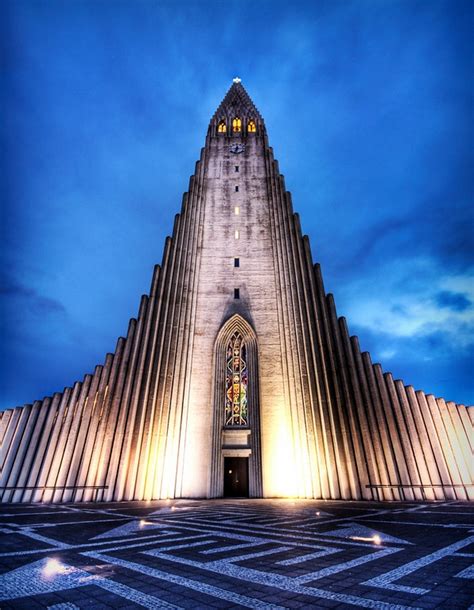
{"x":236,"y":125}
{"x":237,"y":210}
{"x":251,"y":127}
{"x":222,"y":127}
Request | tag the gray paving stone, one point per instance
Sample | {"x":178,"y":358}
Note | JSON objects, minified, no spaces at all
{"x":170,"y":566}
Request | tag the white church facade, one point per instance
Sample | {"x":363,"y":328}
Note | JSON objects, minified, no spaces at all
{"x":237,"y":378}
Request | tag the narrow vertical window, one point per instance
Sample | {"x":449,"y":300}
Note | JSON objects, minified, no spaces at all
{"x":237,"y":210}
{"x":222,"y":127}
{"x":251,"y":127}
{"x":236,"y":168}
{"x":237,"y":125}
{"x":236,"y":262}
{"x":236,"y":383}
{"x":236,"y":293}
{"x":237,"y":233}
{"x":236,"y":189}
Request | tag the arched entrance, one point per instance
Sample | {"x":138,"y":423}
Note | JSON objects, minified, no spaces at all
{"x":236,"y":469}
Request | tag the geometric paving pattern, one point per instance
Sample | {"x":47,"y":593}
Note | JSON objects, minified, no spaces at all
{"x":237,"y":554}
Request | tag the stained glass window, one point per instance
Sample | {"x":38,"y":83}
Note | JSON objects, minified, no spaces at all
{"x":236,"y":383}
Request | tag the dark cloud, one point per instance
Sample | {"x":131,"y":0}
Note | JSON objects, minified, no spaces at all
{"x":11,"y":289}
{"x":453,"y":300}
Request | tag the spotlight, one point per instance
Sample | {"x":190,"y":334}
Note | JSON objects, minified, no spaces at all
{"x":53,"y":567}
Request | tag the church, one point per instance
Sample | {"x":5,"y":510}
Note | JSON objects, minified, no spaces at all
{"x":237,"y":378}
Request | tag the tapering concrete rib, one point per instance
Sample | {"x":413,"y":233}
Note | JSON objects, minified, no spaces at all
{"x":468,"y":428}
{"x":6,"y":418}
{"x":193,"y":210}
{"x":389,"y":458}
{"x":327,"y":406}
{"x":287,"y":326}
{"x":400,"y":440}
{"x":429,"y":457}
{"x":96,"y":465}
{"x":125,"y":413}
{"x":196,"y":212}
{"x":433,"y":437}
{"x":424,"y":477}
{"x":71,"y":440}
{"x":147,"y":348}
{"x":151,"y":384}
{"x":116,"y":412}
{"x":460,"y":465}
{"x":462,"y":441}
{"x":445,"y":443}
{"x":18,"y":452}
{"x":283,"y":309}
{"x":56,"y":475}
{"x":408,"y":457}
{"x":173,"y":391}
{"x":122,"y":445}
{"x":367,"y":397}
{"x":349,"y":432}
{"x":106,"y":426}
{"x":51,"y":409}
{"x":299,"y":351}
{"x":38,"y":429}
{"x":85,"y":476}
{"x":9,"y":437}
{"x":470,"y":412}
{"x":159,"y":422}
{"x":80,"y":437}
{"x":320,"y":473}
{"x":364,"y":439}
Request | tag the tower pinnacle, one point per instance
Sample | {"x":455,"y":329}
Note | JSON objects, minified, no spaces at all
{"x":236,"y":80}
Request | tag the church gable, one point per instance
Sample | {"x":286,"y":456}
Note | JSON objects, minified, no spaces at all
{"x":237,"y":377}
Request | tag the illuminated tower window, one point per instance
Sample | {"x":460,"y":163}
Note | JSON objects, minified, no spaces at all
{"x":222,"y":127}
{"x":237,"y":210}
{"x":236,"y":383}
{"x":251,"y":127}
{"x":237,"y":234}
{"x":237,"y":125}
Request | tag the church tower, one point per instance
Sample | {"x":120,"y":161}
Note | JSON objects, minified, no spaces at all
{"x":237,"y":378}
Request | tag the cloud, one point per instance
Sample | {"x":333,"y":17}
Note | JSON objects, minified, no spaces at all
{"x":453,"y":300}
{"x":12,"y":290}
{"x":413,"y":298}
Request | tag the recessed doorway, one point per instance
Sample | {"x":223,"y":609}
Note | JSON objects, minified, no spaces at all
{"x":236,"y":477}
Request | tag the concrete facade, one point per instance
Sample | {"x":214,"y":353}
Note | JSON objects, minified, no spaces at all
{"x":324,"y":422}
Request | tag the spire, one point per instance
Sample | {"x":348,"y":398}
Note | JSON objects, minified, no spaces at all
{"x":237,"y":102}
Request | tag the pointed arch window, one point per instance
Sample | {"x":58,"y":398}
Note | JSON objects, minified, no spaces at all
{"x":236,"y":383}
{"x":236,"y":125}
{"x":222,"y":127}
{"x":251,"y":127}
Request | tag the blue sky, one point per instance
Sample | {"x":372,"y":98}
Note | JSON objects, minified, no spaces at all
{"x":105,"y":106}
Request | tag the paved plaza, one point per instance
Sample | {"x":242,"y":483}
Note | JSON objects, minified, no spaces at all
{"x":237,"y":554}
